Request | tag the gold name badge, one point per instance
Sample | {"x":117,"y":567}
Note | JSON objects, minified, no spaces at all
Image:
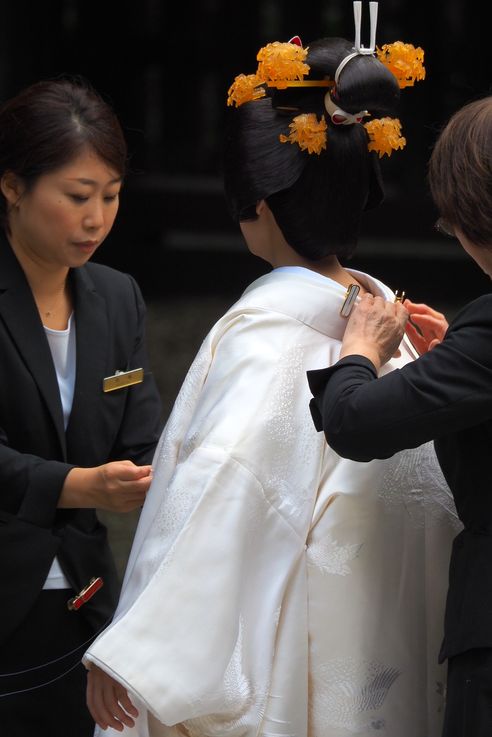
{"x":123,"y":378}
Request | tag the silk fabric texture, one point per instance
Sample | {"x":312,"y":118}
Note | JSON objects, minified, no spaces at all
{"x":274,"y":588}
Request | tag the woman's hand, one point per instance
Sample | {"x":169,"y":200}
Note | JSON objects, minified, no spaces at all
{"x":374,"y":329}
{"x":119,"y":486}
{"x":108,"y":701}
{"x":426,"y":327}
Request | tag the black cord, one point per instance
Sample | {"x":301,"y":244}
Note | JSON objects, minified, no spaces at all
{"x":41,"y":685}
{"x":51,"y":662}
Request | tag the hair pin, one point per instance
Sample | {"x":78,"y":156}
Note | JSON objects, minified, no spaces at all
{"x":360,"y":49}
{"x":373,"y":12}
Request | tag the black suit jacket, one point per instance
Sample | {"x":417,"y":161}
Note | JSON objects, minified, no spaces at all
{"x":35,"y":451}
{"x":445,"y":395}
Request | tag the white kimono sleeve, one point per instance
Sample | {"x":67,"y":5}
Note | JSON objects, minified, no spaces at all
{"x":217,"y":568}
{"x":185,"y":646}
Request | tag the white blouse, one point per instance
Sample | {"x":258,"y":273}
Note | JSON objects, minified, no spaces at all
{"x":62,"y":346}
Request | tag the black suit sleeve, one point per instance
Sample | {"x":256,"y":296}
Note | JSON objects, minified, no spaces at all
{"x":25,"y":479}
{"x":445,"y":390}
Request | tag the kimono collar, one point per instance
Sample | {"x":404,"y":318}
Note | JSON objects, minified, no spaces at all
{"x":307,"y":297}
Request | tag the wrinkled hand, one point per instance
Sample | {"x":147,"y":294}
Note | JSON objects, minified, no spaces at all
{"x":108,"y":701}
{"x":374,"y":329}
{"x":426,"y":327}
{"x":119,"y":486}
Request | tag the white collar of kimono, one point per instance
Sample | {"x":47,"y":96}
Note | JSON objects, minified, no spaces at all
{"x":307,"y":296}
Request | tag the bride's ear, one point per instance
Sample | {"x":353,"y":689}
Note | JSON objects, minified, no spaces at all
{"x":261,"y":205}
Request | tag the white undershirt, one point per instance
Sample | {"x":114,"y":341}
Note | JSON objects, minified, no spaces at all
{"x":62,"y":346}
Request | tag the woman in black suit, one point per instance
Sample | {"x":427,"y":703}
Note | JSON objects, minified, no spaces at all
{"x":445,"y":395}
{"x":79,"y":412}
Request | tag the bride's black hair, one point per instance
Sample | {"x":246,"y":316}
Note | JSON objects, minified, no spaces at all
{"x":317,"y":200}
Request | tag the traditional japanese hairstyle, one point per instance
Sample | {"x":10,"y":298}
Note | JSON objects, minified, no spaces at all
{"x":334,"y":101}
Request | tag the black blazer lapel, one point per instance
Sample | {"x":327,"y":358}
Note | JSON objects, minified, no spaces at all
{"x":92,"y":335}
{"x":19,"y":312}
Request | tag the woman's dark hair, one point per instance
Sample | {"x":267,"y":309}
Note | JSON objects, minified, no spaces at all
{"x":48,"y":123}
{"x":317,"y":200}
{"x":460,"y":171}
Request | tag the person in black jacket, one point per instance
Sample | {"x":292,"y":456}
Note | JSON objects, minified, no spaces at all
{"x":80,"y":414}
{"x":445,"y":395}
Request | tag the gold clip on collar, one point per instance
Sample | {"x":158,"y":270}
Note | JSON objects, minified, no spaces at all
{"x":399,"y":296}
{"x":283,"y":84}
{"x":350,"y":297}
{"x":123,"y":378}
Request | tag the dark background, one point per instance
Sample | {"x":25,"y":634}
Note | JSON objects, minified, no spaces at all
{"x":167,"y":80}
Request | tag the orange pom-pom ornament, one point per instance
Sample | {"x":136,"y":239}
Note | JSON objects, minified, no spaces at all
{"x":308,"y":132}
{"x":384,"y":135}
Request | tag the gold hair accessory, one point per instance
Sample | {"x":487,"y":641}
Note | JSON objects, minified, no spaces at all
{"x":302,"y":83}
{"x":399,"y":296}
{"x":384,"y":135}
{"x":404,"y":61}
{"x":281,"y":65}
{"x":308,"y":132}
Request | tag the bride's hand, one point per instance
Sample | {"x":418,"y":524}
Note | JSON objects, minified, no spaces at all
{"x":426,"y":327}
{"x":108,"y":701}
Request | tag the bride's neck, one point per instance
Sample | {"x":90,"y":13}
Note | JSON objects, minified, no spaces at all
{"x":329,"y":266}
{"x":265,"y":239}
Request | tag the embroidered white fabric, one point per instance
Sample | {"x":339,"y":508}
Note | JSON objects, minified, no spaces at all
{"x":275,"y":589}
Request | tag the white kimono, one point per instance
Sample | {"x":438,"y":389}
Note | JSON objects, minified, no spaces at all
{"x":274,"y":588}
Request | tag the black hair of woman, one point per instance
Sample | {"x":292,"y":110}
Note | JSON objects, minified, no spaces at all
{"x":317,"y":200}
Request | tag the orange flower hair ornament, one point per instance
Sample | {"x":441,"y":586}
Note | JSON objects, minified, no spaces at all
{"x":283,"y":65}
{"x":404,"y":60}
{"x":245,"y":88}
{"x":308,"y":132}
{"x":384,"y":135}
